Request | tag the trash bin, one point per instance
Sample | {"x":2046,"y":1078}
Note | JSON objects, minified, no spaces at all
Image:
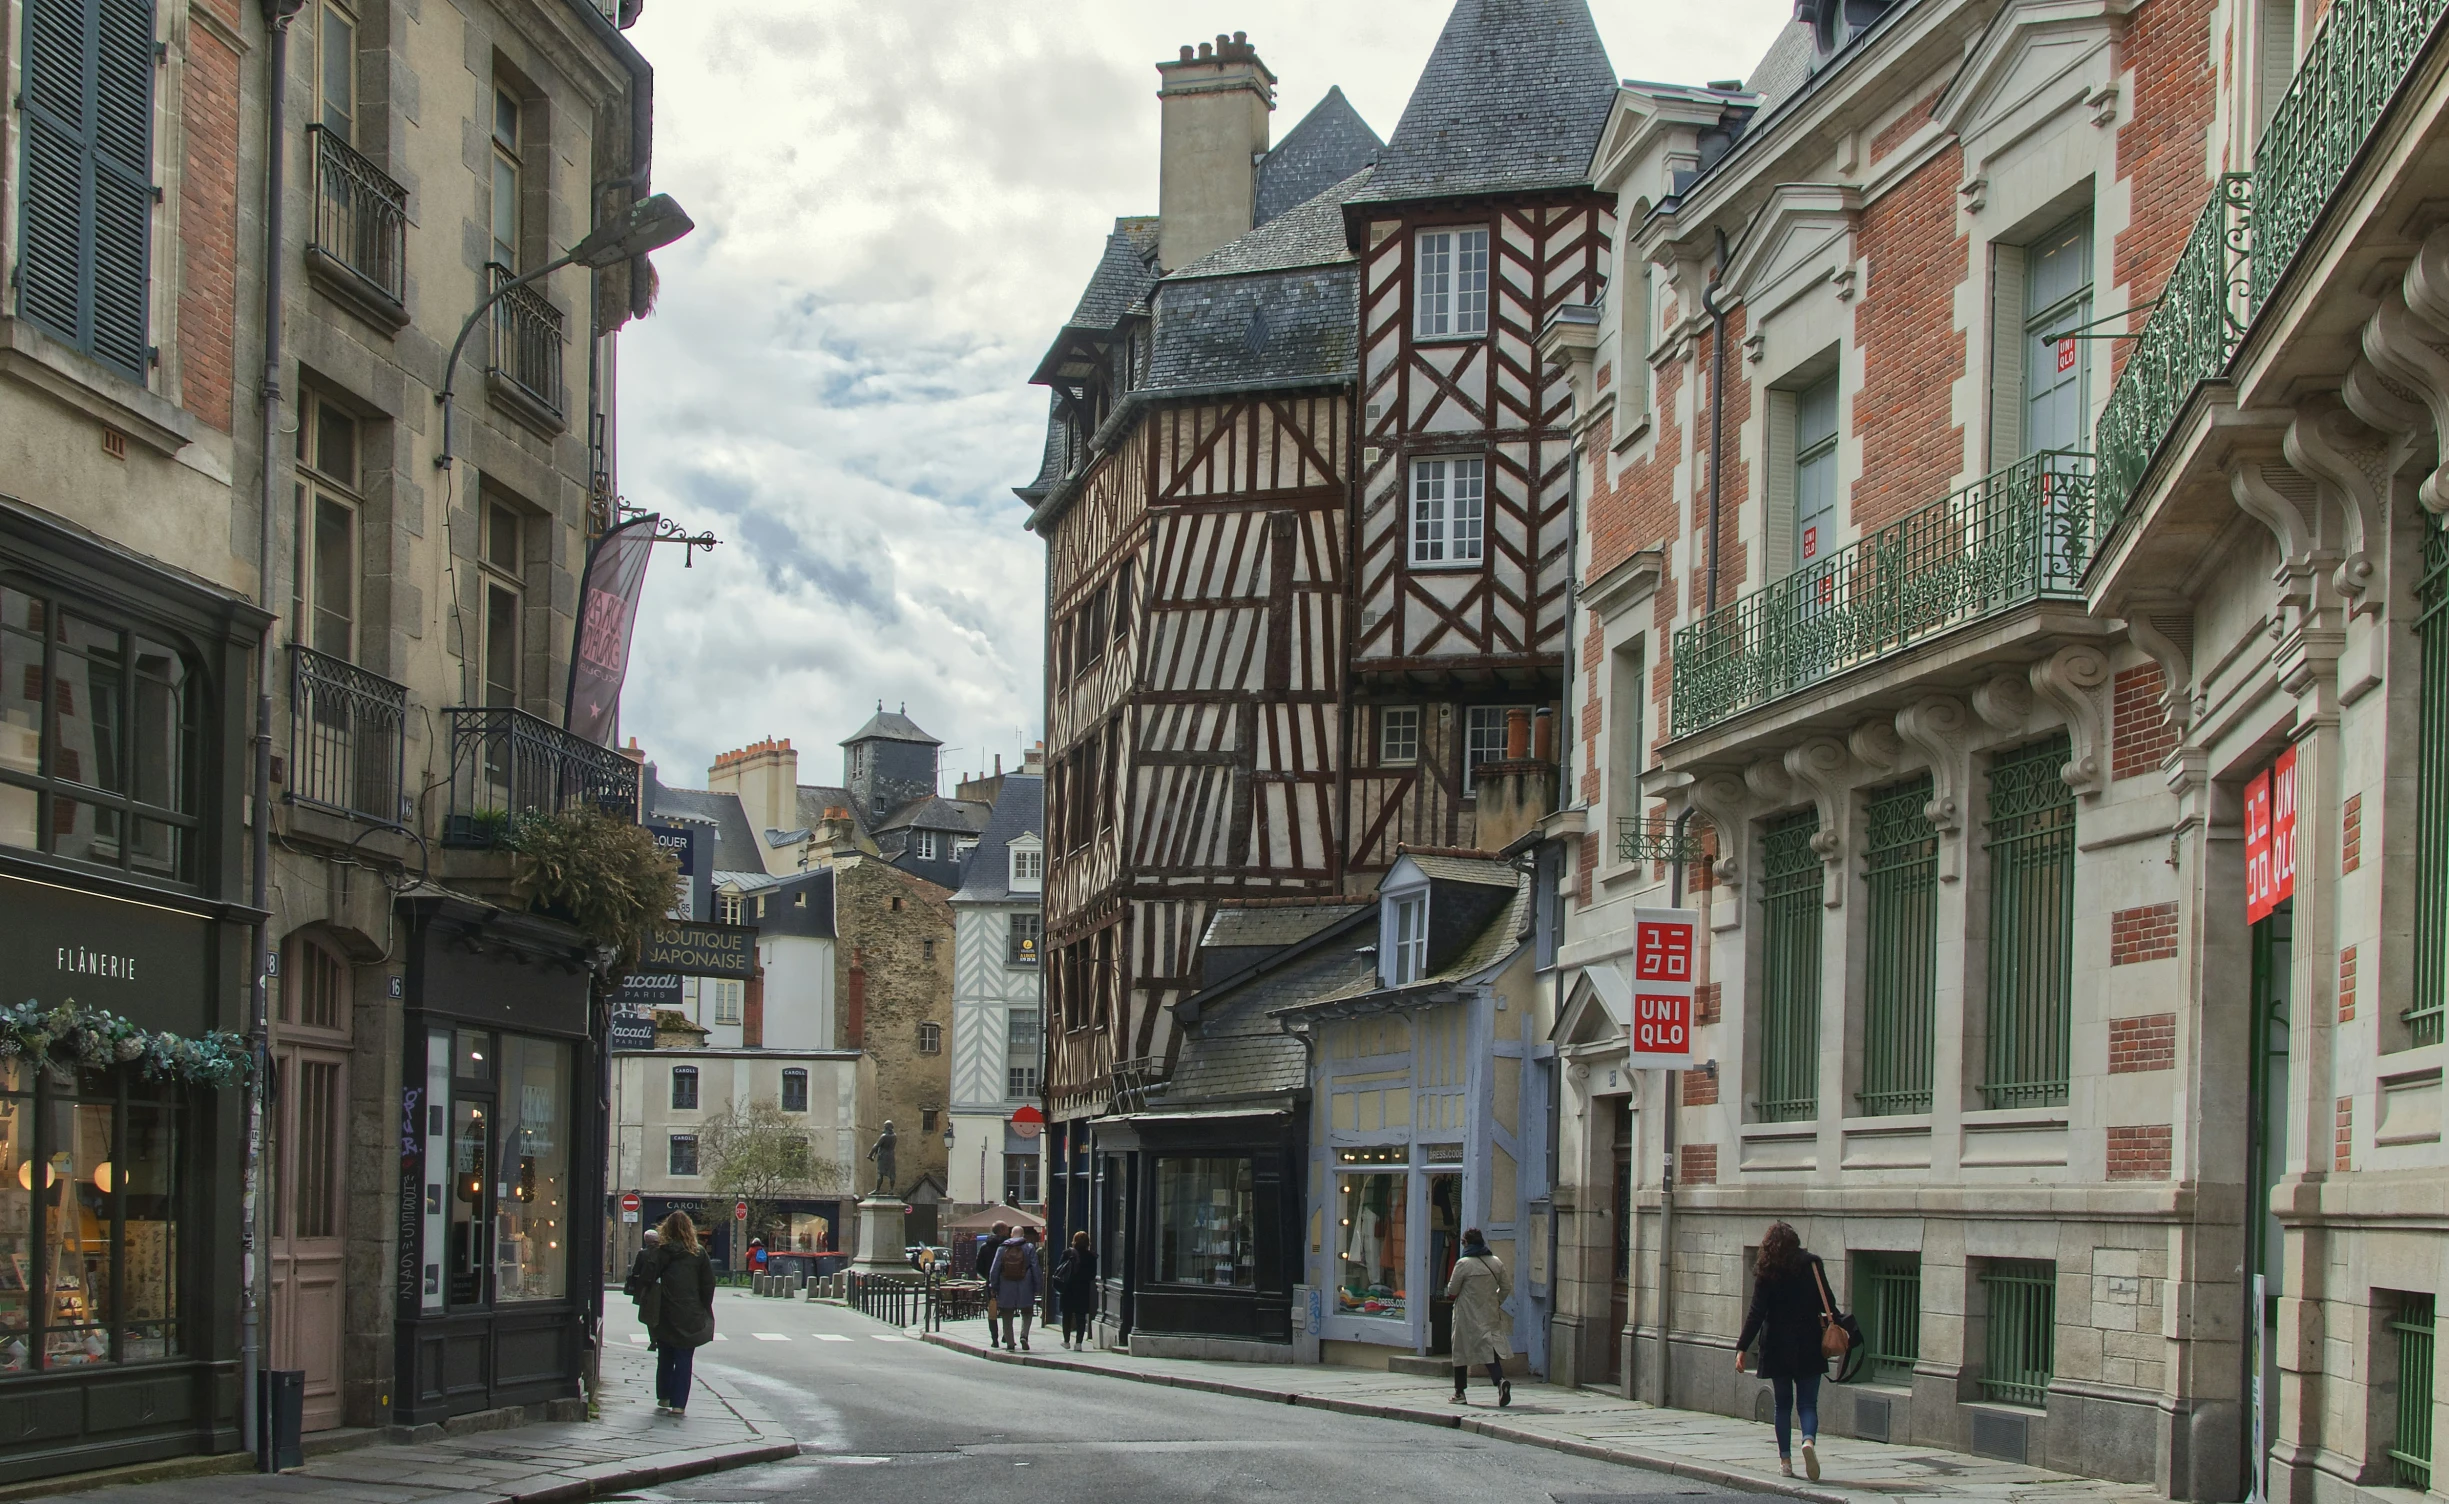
{"x":281,"y":1419}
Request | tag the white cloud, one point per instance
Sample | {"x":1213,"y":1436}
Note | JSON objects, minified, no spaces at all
{"x":897,"y":205}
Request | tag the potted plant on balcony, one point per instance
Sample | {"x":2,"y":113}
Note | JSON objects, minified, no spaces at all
{"x":603,"y":876}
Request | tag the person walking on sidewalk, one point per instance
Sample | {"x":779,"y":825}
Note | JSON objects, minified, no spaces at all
{"x":983,"y":1265}
{"x":635,"y":1286}
{"x":1075,"y":1290}
{"x":678,"y":1310}
{"x":1478,"y":1289}
{"x":1789,"y":1297}
{"x":1016,"y":1283}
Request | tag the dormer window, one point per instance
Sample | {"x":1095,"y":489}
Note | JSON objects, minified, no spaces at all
{"x":923,"y":845}
{"x":1028,"y":874}
{"x":1408,"y":957}
{"x":1450,"y":284}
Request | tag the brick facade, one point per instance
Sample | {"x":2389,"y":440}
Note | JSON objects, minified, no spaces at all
{"x":2137,"y":1045}
{"x":2344,"y":1158}
{"x":1707,"y":1002}
{"x":2167,"y":47}
{"x":208,"y":230}
{"x":1700,"y":1088}
{"x":2148,"y":933}
{"x":2351,"y":834}
{"x":2346,"y":984}
{"x":1912,"y":353}
{"x":2140,"y":733}
{"x":2140,"y":1153}
{"x":1699,"y":1164}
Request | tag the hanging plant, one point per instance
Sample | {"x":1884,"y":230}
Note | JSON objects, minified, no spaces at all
{"x":606,"y":876}
{"x":71,"y":1036}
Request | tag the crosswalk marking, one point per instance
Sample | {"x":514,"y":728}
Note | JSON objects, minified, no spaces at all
{"x":889,"y":1337}
{"x":639,"y":1338}
{"x":722,"y":1337}
{"x":770,"y":1337}
{"x":831,"y":1337}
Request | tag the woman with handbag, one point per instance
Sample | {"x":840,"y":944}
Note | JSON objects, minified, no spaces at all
{"x":1794,"y":1319}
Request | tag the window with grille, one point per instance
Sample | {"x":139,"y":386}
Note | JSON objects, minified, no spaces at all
{"x":1900,"y":972}
{"x":684,"y":1088}
{"x":1888,"y":1299}
{"x":683,"y":1160}
{"x":795,"y":1090}
{"x":1790,"y":970}
{"x":1398,"y":735}
{"x":2020,"y":1340}
{"x":84,"y":250}
{"x":2029,"y":834}
{"x":1451,"y":283}
{"x":930,"y":1039}
{"x":2410,"y":1450}
{"x":1449,"y":510}
{"x":1027,"y":938}
{"x":2425,"y":1012}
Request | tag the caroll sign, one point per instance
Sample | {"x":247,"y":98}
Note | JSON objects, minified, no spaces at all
{"x":1661,"y":1025}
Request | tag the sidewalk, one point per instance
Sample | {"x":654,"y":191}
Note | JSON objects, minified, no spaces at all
{"x":1593,"y":1423}
{"x":630,"y":1447}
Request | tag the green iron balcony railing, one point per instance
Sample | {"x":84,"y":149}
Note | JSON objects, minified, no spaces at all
{"x":2255,"y":224}
{"x":2013,"y":536}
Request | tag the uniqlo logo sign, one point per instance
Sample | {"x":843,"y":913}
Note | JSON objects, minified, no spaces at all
{"x":2270,"y":838}
{"x":2066,"y":353}
{"x":1661,"y":1025}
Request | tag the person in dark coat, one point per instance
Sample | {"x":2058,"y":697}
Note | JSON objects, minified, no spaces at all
{"x":1075,"y":1286}
{"x":678,"y":1310}
{"x":1789,"y":1286}
{"x":635,"y":1285}
{"x":987,"y":1248}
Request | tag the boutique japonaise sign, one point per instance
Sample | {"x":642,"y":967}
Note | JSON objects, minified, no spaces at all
{"x":1663,"y":944}
{"x":2270,"y":838}
{"x":692,"y":949}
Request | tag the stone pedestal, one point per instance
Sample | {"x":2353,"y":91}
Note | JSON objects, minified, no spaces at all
{"x":880,"y":1237}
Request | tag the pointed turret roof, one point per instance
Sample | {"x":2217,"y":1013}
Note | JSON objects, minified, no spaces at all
{"x":1513,"y":99}
{"x":890,"y":726}
{"x":1331,"y":143}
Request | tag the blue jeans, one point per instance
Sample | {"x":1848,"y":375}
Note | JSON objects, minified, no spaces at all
{"x":673,"y":1363}
{"x":1787,"y":1390}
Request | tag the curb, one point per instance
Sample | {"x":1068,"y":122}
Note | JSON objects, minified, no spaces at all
{"x":620,"y":1477}
{"x":1479,"y":1425}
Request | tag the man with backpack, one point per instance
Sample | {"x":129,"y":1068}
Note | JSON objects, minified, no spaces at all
{"x":982,"y":1262}
{"x":1016,"y":1282}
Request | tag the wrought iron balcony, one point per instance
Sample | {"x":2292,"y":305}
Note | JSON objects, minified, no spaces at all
{"x":360,"y":233}
{"x":1648,"y":839}
{"x":506,"y":763}
{"x":2011,"y":537}
{"x":527,"y":344}
{"x":345,"y":743}
{"x":2255,"y":224}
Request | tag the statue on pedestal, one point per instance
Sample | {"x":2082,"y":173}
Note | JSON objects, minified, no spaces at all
{"x":882,"y":1154}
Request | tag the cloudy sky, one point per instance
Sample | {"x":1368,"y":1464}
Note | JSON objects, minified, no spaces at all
{"x":896,"y":207}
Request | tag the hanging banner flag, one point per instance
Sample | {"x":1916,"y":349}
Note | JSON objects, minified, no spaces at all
{"x":607,"y":611}
{"x":2270,"y":838}
{"x":1661,"y":1026}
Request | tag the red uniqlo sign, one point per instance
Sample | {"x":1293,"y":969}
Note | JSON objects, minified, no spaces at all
{"x":2270,"y":838}
{"x":1661,"y":1025}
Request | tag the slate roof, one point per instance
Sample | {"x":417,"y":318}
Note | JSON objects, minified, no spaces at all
{"x":1297,"y":328}
{"x":891,"y":726}
{"x":967,"y":816}
{"x":1488,"y":872}
{"x":735,"y":845}
{"x":1124,"y":274}
{"x":1236,"y":1051}
{"x":816,"y":798}
{"x":1513,"y":98}
{"x":1785,"y":67}
{"x":1056,"y":462}
{"x":1309,"y":235}
{"x":1236,"y":928}
{"x":1020,"y":810}
{"x":1331,"y":143}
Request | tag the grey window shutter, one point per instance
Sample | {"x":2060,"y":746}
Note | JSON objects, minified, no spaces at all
{"x":85,"y":260}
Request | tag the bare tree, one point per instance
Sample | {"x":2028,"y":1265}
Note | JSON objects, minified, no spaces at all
{"x":761,"y":1155}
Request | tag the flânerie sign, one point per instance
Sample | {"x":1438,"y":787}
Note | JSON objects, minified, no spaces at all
{"x":1661,"y":1026}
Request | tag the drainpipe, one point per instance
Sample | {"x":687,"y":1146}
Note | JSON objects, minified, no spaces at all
{"x":1717,"y":402}
{"x":1673,"y":1094}
{"x":254,"y":1266}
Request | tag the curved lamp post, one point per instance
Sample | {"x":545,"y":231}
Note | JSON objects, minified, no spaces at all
{"x":651,"y":224}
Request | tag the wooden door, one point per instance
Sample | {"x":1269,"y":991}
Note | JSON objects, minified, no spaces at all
{"x":308,"y":1166}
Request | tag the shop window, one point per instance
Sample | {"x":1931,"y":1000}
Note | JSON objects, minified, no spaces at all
{"x":684,"y":1088}
{"x":683,"y":1155}
{"x":1019,"y":1179}
{"x":1204,"y":1223}
{"x":94,"y":1194}
{"x":100,"y":740}
{"x":795,"y":1090}
{"x":532,"y":1181}
{"x":1371,"y":1210}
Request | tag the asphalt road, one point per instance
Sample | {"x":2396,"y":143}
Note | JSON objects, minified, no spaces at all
{"x":885,"y":1419}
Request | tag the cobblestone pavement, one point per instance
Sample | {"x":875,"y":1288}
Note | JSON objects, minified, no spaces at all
{"x":1591,"y":1423}
{"x":628,"y":1447}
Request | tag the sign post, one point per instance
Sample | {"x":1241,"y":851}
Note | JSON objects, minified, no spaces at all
{"x":629,"y":1206}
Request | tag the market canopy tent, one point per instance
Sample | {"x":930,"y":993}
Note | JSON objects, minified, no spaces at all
{"x":982,"y":1221}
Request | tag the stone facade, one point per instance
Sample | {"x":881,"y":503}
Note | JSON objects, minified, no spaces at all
{"x":893,"y":973}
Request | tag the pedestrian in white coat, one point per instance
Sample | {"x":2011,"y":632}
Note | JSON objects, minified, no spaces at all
{"x":1478,"y":1290}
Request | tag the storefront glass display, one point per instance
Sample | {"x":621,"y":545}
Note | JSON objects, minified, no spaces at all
{"x":1373,"y":1208}
{"x":471,"y":1135}
{"x":1204,"y":1210}
{"x":88,"y":1224}
{"x":531,"y":1188}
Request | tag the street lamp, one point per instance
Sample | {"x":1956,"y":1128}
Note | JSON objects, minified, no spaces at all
{"x":651,"y":224}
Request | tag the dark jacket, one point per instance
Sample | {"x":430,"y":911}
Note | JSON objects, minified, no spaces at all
{"x":635,"y":1285}
{"x":679,"y":1306}
{"x":1785,"y":1317}
{"x":988,"y":1243}
{"x":1075,"y":1279}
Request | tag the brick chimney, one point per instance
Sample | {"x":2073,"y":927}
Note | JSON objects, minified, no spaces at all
{"x":1215,"y":104}
{"x":1517,"y":791}
{"x":766,"y":777}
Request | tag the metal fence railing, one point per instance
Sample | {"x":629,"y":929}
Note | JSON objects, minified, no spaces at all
{"x":923,"y":1300}
{"x":2410,"y":1449}
{"x":345,"y":737}
{"x":1901,"y":972}
{"x":2020,"y":1349}
{"x":361,"y":216}
{"x":506,"y":763}
{"x":1891,"y":1307}
{"x":2012,"y":536}
{"x":2029,"y":833}
{"x":2428,"y":1000}
{"x":527,"y":340}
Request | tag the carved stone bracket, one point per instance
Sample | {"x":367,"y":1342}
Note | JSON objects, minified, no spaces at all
{"x":1874,"y":745}
{"x":2156,"y":627}
{"x":2348,"y":464}
{"x":1936,"y":728}
{"x":1727,"y":803}
{"x":2069,"y":680}
{"x":2401,"y":346}
{"x":2004,"y":703}
{"x":1820,"y":765}
{"x":2284,"y":500}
